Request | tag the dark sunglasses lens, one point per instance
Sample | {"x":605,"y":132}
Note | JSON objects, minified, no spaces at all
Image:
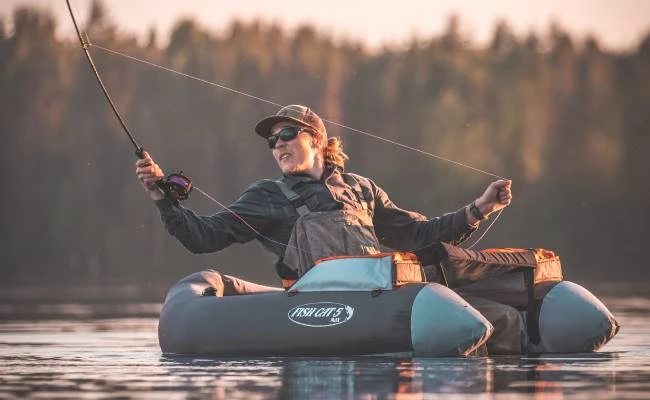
{"x":285,"y":134}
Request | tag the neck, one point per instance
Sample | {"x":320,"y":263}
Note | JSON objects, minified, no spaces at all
{"x":315,"y":172}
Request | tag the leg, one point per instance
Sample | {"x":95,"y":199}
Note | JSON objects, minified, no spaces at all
{"x":509,"y":330}
{"x":233,"y":286}
{"x":224,"y":285}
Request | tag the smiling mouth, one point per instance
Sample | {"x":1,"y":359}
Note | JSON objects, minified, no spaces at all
{"x":284,"y":156}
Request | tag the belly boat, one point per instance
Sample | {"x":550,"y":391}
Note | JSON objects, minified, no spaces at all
{"x":367,"y":306}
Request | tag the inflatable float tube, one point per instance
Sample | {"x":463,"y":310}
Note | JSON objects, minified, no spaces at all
{"x":347,"y":307}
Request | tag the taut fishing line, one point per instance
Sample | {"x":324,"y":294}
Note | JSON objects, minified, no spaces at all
{"x":340,"y":125}
{"x":177,"y":186}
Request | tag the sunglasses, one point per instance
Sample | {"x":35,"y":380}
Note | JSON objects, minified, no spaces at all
{"x":286,"y":134}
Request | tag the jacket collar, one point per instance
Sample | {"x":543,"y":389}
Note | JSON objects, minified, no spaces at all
{"x":294,"y":179}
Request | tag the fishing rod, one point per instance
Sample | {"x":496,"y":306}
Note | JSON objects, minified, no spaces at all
{"x":175,"y":186}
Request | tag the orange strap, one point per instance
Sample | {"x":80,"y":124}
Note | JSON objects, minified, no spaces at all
{"x":397,"y":255}
{"x":398,"y":258}
{"x":287,"y":283}
{"x":540,"y":254}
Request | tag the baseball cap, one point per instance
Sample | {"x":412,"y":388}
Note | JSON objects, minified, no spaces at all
{"x":296,"y":113}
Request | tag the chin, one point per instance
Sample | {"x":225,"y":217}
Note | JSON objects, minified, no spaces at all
{"x":292,"y":170}
{"x":288,"y":169}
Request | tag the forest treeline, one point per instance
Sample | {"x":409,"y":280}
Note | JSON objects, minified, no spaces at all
{"x":564,"y":119}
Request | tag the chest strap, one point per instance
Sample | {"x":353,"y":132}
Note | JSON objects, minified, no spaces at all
{"x":298,"y":203}
{"x":358,"y":191}
{"x":293,"y":197}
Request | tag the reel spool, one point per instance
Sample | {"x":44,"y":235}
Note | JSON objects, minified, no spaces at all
{"x":176,"y":186}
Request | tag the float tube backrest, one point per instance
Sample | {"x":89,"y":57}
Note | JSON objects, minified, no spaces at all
{"x":382,"y":271}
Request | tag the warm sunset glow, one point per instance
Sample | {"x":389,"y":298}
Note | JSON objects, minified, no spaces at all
{"x":618,"y":24}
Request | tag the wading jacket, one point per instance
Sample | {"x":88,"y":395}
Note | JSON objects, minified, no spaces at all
{"x":266,"y":209}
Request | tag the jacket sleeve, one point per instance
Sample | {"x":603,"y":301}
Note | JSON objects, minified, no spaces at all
{"x":405,"y":230}
{"x":245,"y":219}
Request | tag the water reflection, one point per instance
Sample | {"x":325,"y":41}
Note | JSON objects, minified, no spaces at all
{"x":120,"y":357}
{"x":401,"y":378}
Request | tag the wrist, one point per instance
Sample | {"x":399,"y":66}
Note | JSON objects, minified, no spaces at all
{"x":156,"y":194}
{"x":477,"y":213}
{"x":471,"y":220}
{"x":484,"y":209}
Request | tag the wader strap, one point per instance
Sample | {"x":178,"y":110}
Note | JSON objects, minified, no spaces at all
{"x":293,"y":197}
{"x":287,"y":283}
{"x":356,"y":187}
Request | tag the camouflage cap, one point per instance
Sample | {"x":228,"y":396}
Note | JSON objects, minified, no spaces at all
{"x":298,"y":114}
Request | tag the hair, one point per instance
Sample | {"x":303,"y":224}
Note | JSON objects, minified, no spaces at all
{"x":333,"y":152}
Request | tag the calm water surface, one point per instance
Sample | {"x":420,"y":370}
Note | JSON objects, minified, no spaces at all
{"x":68,"y":350}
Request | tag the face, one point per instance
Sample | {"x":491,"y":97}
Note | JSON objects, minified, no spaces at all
{"x":299,"y":155}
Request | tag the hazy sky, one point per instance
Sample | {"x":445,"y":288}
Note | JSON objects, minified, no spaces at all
{"x":618,"y":24}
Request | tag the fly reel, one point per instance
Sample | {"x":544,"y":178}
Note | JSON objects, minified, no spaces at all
{"x":176,"y":186}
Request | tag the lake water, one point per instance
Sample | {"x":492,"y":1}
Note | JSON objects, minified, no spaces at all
{"x":110,"y":350}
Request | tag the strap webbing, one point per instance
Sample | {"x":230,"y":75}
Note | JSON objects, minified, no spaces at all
{"x":297,"y":201}
{"x":356,"y":187}
{"x":293,"y":197}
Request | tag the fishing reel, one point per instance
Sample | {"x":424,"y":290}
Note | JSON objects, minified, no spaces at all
{"x":176,"y":186}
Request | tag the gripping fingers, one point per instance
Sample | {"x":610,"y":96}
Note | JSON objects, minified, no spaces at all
{"x":501,"y":194}
{"x":504,"y":196}
{"x":149,"y":169}
{"x":149,"y":174}
{"x":145,"y":161}
{"x":142,"y":163}
{"x":503,"y":191}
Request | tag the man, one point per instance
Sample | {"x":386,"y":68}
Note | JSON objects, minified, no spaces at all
{"x":316,"y":206}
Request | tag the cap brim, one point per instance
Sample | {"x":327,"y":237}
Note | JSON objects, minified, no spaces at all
{"x":263,"y":128}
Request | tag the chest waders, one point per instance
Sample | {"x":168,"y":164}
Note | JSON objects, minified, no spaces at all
{"x":320,"y":234}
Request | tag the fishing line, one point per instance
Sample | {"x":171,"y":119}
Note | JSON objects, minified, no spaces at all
{"x":178,"y":186}
{"x":340,"y":125}
{"x":486,"y":230}
{"x":224,"y":87}
{"x":183,"y":74}
{"x":249,"y":226}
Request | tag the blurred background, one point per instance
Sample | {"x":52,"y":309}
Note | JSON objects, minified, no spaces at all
{"x":560,"y":108}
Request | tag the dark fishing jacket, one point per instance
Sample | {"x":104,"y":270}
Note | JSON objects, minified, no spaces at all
{"x":268,"y":211}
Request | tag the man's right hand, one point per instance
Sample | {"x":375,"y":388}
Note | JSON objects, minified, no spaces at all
{"x":149,"y":173}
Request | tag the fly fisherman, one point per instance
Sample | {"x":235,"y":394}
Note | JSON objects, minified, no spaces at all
{"x":317,"y":206}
